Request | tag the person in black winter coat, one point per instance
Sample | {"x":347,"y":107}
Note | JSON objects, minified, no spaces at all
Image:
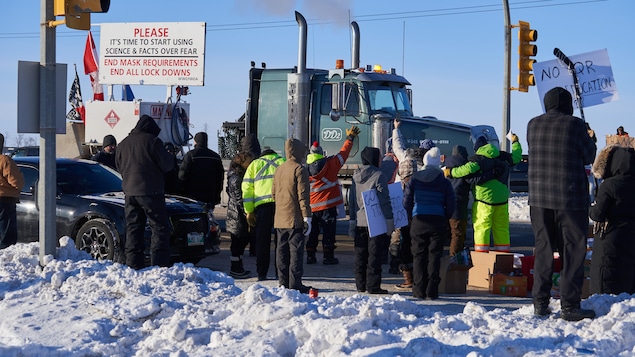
{"x":613,"y":262}
{"x":201,"y":174}
{"x":172,"y":176}
{"x":106,"y":156}
{"x":461,"y":187}
{"x":143,"y":161}
{"x":236,"y":222}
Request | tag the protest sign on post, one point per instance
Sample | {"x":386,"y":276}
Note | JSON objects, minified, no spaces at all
{"x":595,"y":77}
{"x":399,"y":214}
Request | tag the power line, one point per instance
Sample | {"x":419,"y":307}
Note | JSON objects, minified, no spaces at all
{"x":463,"y":10}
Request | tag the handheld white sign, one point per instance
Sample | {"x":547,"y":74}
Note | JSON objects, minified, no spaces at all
{"x":595,"y":78}
{"x":399,"y":214}
{"x":162,"y":53}
{"x":374,"y":215}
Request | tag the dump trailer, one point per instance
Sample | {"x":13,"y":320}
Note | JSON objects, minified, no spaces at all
{"x":319,"y":105}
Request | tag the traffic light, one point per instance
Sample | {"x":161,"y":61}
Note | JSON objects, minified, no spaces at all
{"x":77,"y":12}
{"x":526,"y":50}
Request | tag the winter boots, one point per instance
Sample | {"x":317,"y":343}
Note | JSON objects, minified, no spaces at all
{"x":329,"y":258}
{"x":237,"y":271}
{"x":407,"y":280}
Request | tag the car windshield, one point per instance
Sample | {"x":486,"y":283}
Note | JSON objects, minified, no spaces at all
{"x":83,"y":178}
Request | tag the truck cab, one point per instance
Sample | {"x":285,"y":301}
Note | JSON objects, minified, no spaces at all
{"x":370,"y":99}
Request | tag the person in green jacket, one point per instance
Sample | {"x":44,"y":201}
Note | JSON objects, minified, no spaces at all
{"x":490,"y":211}
{"x":260,"y":206}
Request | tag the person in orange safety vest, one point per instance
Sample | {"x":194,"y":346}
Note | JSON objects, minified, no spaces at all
{"x":326,"y":195}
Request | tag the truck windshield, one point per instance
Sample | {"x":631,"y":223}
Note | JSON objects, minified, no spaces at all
{"x":389,"y":99}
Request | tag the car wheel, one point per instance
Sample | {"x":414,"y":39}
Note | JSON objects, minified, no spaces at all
{"x":98,"y":238}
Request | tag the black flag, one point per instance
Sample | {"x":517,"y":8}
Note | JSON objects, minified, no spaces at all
{"x":77,"y":112}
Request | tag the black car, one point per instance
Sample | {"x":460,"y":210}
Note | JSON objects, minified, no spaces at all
{"x":518,"y":180}
{"x":90,"y":209}
{"x":26,"y":151}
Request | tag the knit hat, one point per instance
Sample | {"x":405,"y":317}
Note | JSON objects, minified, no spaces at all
{"x":432,"y":157}
{"x":109,"y":140}
{"x":316,"y":148}
{"x":426,"y":144}
{"x":480,"y":141}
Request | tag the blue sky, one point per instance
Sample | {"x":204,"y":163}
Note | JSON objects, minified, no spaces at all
{"x":451,"y":51}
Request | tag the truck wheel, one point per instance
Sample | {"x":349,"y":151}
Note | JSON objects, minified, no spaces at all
{"x":99,"y":238}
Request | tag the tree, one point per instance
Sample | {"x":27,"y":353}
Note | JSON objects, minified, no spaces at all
{"x":22,"y":139}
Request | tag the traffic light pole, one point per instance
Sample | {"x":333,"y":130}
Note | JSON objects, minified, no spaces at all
{"x":507,"y":80}
{"x":47,"y":188}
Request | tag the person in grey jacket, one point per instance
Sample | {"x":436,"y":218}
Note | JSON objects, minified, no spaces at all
{"x":368,"y":249}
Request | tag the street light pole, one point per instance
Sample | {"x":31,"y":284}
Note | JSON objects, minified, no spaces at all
{"x":507,"y":80}
{"x":47,"y":188}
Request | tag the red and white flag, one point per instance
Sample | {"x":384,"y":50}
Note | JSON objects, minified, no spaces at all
{"x":91,"y":67}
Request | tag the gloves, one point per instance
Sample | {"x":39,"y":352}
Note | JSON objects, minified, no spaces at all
{"x":307,"y":226}
{"x":390,"y":226}
{"x":514,"y":138}
{"x":352,"y":132}
{"x":447,"y":172}
{"x":351,"y":228}
{"x":251,"y":219}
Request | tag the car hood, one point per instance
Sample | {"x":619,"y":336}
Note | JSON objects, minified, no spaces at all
{"x":173,"y":203}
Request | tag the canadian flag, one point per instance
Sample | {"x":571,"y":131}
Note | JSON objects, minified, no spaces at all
{"x":91,"y":67}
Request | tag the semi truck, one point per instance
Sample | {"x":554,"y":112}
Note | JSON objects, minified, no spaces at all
{"x":320,"y":104}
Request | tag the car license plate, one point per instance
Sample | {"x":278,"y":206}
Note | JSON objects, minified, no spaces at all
{"x":195,"y":238}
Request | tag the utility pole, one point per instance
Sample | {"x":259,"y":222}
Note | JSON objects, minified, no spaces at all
{"x":46,"y":185}
{"x":507,"y":79}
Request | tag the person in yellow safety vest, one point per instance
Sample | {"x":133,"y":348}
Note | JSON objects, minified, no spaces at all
{"x":326,"y":195}
{"x":259,"y":205}
{"x":490,"y":211}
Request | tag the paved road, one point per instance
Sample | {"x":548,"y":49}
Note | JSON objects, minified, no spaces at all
{"x":338,"y":279}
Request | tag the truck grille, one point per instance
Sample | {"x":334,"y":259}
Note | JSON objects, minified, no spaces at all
{"x":186,"y":223}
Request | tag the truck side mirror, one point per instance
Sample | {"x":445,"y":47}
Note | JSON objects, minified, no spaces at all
{"x":337,"y":101}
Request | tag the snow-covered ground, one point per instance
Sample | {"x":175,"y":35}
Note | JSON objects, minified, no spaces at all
{"x":82,"y":307}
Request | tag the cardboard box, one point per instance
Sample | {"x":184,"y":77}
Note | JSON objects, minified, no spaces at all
{"x":503,"y":284}
{"x":486,"y":264}
{"x":453,"y":277}
{"x":528,"y":268}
